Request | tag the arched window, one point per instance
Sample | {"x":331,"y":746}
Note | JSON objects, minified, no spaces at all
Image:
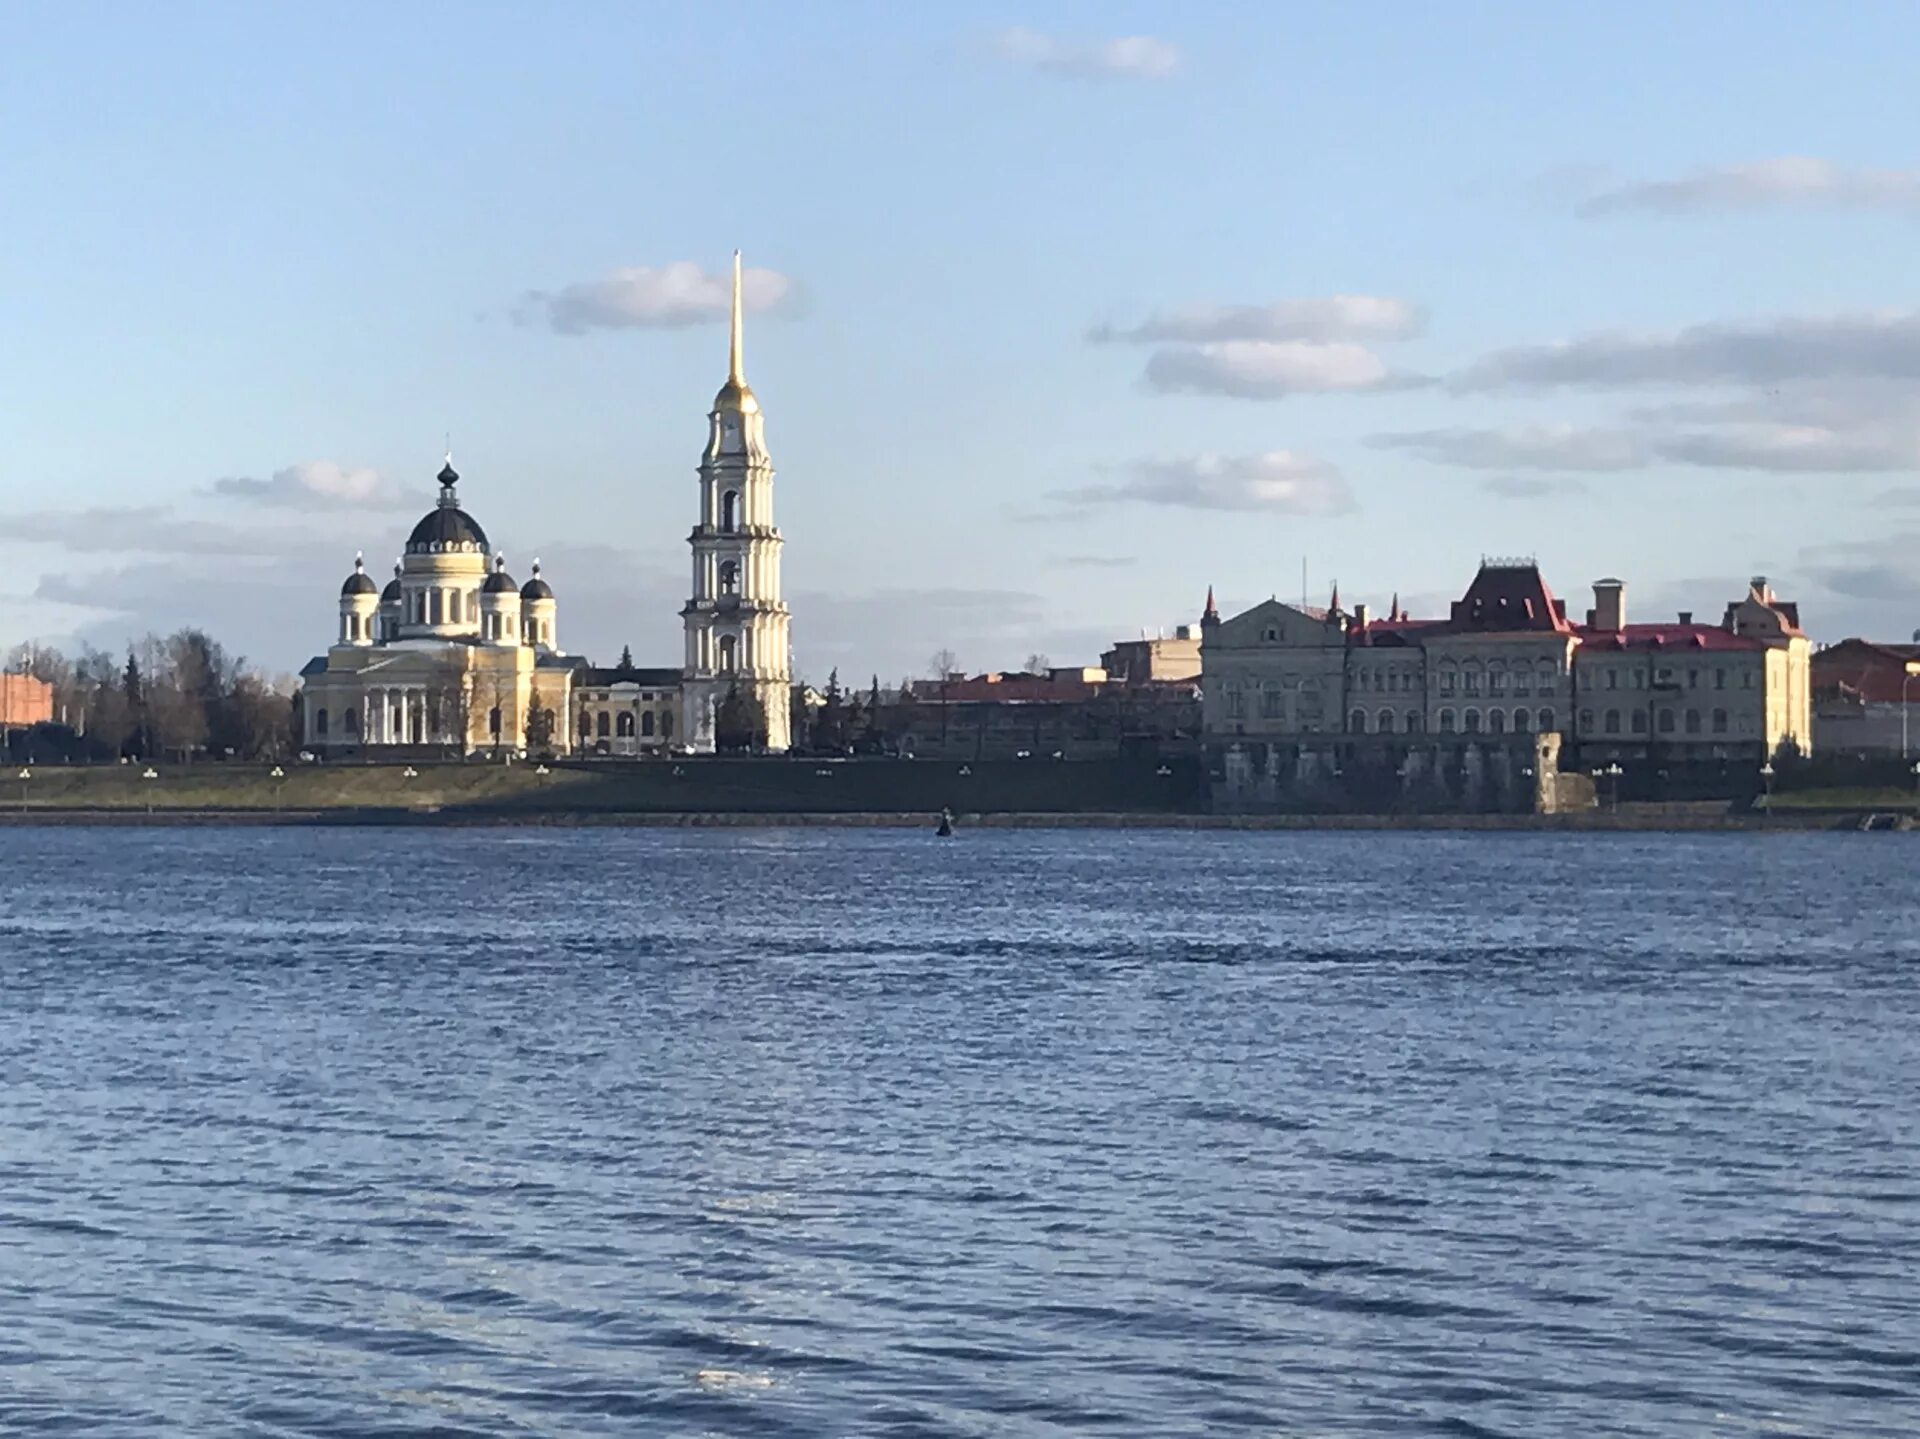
{"x":730,"y":511}
{"x":1719,"y":721}
{"x":453,"y":607}
{"x":1413,"y":722}
{"x":625,"y":730}
{"x":1357,"y":722}
{"x":586,"y":724}
{"x":1639,"y":721}
{"x":1613,"y":722}
{"x":1496,"y":721}
{"x":493,"y":721}
{"x":352,"y":720}
{"x":1547,"y":722}
{"x":1549,"y":673}
{"x":729,"y":651}
{"x":1383,"y":722}
{"x":1693,"y":721}
{"x":646,"y":724}
{"x":320,"y":723}
{"x":666,"y":724}
{"x":729,"y":577}
{"x":603,"y":728}
{"x":1470,"y":721}
{"x":1522,"y":720}
{"x":1666,"y":721}
{"x":1446,"y":721}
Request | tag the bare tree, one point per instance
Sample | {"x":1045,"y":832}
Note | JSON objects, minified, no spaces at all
{"x":1037,"y":664}
{"x":943,"y":663}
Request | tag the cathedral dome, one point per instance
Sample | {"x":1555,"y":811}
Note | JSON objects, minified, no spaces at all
{"x":391,"y":594}
{"x":500,"y":582}
{"x":536,"y":588}
{"x":447,"y":527}
{"x":359,"y":582}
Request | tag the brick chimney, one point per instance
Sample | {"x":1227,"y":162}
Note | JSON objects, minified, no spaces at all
{"x":1609,"y":605}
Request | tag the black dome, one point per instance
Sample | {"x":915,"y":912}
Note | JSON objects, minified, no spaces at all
{"x":391,"y":592}
{"x":359,"y":583}
{"x":447,"y":528}
{"x":499,"y":583}
{"x":536,"y":589}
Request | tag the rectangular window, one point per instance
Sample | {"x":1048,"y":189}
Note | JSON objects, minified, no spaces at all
{"x":1613,"y":679}
{"x":1719,"y":679}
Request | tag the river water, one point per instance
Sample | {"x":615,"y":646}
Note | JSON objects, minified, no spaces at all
{"x":765,"y":1132}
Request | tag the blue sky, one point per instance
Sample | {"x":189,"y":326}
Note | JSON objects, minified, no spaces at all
{"x":297,"y":247}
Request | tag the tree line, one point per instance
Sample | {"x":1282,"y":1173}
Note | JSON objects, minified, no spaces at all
{"x":180,"y":697}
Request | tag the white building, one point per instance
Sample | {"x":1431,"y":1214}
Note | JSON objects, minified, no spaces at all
{"x":453,"y":656}
{"x":737,"y":646}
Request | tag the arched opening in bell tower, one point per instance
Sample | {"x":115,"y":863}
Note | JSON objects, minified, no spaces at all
{"x":730,"y":511}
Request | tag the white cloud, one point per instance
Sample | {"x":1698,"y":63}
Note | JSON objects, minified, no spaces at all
{"x":1271,"y":369}
{"x":1530,"y":447}
{"x":1881,"y":344}
{"x":320,"y":484}
{"x":641,"y":297}
{"x":1279,"y":481}
{"x":1786,"y":181}
{"x":1140,"y":57}
{"x":1332,"y":317}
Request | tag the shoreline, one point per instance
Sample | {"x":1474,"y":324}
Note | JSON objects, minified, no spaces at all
{"x":1586,"y":822}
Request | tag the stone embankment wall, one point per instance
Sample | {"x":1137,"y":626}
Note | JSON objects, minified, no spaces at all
{"x":1394,"y":774}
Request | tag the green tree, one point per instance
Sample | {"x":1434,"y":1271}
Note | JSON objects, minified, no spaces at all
{"x":739,"y":722}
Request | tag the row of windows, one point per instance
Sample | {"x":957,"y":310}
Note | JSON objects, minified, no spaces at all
{"x":1668,"y":722}
{"x":607,"y":725}
{"x":1666,"y":675}
{"x":1392,"y":681}
{"x":1522,"y":681}
{"x":1497,"y":721}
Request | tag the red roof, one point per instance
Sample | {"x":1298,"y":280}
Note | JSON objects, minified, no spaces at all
{"x":1680,"y":639}
{"x":1509,"y":598}
{"x":1874,"y":672}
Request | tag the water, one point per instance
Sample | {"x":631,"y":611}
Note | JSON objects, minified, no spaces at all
{"x":831,"y":1133}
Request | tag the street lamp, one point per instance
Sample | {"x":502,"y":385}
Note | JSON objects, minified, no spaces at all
{"x":150,"y":773}
{"x":278,"y":776}
{"x":25,"y":775}
{"x":1766,"y":778}
{"x":1613,"y":773}
{"x":1913,"y":669}
{"x":409,"y":773}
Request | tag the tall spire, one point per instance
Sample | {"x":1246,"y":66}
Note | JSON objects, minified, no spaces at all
{"x":736,"y":360}
{"x":1211,"y":614}
{"x":1333,"y":604}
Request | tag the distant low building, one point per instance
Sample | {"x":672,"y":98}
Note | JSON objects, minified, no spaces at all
{"x":1162,"y":659}
{"x":1507,"y":660}
{"x":1075,"y":713}
{"x":24,"y":701}
{"x":1867,"y":698}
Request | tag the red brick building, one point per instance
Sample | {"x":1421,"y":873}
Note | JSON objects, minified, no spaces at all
{"x":1865,"y":701}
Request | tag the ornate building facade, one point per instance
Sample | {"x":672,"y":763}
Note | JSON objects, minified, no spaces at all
{"x":736,"y":624}
{"x":452,"y":656}
{"x":1507,"y":660}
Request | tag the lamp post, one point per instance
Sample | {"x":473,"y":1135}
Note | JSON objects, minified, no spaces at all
{"x":1913,"y":669}
{"x":1766,"y":778}
{"x":1613,"y":773}
{"x":146,"y":776}
{"x":25,"y":775}
{"x":1916,"y":778}
{"x":279,"y":777}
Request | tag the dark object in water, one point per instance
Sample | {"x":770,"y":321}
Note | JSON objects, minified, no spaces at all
{"x":946,"y":824}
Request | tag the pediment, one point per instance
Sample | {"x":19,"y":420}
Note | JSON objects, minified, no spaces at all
{"x":1274,"y":622}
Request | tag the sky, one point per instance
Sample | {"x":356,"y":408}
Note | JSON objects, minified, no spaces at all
{"x":1059,"y":313}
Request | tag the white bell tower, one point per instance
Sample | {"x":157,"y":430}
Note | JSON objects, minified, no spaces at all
{"x":736,"y":623}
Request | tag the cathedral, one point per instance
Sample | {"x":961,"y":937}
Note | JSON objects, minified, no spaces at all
{"x":454,"y":655}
